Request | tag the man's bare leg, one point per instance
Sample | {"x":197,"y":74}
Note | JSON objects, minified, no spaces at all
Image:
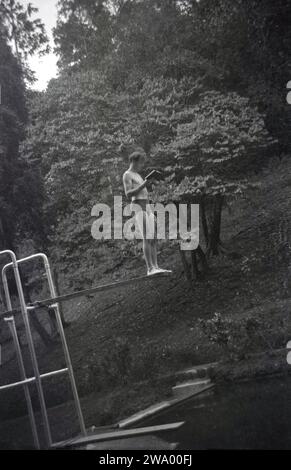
{"x":154,"y":256}
{"x":150,"y":250}
{"x":147,"y":255}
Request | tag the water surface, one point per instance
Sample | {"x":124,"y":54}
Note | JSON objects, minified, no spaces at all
{"x":247,"y":415}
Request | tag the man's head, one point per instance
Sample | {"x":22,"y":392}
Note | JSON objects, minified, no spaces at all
{"x":136,"y":160}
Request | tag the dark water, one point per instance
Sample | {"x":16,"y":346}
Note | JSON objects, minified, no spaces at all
{"x":248,"y":415}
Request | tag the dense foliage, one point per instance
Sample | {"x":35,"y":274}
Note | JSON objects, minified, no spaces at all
{"x":20,"y":186}
{"x":82,"y":131}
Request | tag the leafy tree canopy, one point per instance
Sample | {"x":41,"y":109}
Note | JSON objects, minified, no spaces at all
{"x":25,"y":33}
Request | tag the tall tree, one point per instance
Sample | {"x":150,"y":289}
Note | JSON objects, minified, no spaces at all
{"x":236,"y":45}
{"x":20,"y":191}
{"x":25,"y":33}
{"x":83,"y":33}
{"x":12,"y":116}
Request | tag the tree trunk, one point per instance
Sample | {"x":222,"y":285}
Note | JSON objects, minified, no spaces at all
{"x":204,"y":221}
{"x":194,"y":265}
{"x":186,"y":268}
{"x":192,"y":272}
{"x":200,"y":253}
{"x":215,"y":227}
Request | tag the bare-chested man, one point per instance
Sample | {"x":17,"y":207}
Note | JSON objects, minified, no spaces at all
{"x":136,"y":188}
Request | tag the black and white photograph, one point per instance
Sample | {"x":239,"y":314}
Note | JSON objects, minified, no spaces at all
{"x":145,"y":228}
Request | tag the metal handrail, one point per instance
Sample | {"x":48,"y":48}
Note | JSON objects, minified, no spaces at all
{"x":25,"y":318}
{"x":52,"y":290}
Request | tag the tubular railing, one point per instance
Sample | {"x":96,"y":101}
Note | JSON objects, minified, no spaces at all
{"x":37,"y":378}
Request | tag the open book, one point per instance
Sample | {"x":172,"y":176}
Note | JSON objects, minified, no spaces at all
{"x":152,"y":174}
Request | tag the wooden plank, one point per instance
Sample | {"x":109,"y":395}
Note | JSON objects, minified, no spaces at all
{"x":119,"y":434}
{"x":91,"y":290}
{"x":160,"y":409}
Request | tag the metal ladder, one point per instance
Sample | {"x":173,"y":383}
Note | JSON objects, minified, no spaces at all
{"x":37,"y":378}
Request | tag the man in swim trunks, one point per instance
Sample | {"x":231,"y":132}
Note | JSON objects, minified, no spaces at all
{"x":136,"y":188}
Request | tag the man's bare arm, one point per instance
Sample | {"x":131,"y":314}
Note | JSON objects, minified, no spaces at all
{"x":129,"y":190}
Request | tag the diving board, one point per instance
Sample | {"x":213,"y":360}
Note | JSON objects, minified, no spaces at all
{"x":89,"y":291}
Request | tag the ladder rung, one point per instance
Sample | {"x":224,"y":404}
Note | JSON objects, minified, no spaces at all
{"x":17,"y":384}
{"x":54,"y":372}
{"x":32,"y":379}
